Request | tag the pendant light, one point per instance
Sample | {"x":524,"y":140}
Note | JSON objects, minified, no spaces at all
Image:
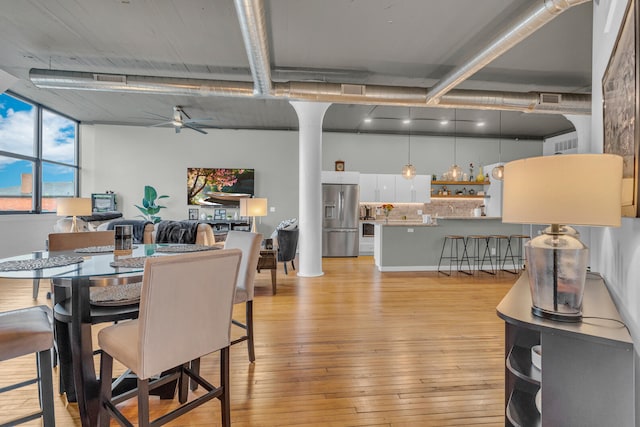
{"x":455,"y":171}
{"x":408,"y":170}
{"x":498,"y":171}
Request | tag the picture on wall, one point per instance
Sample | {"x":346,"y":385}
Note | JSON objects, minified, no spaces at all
{"x":194,"y":213}
{"x":219,"y":214}
{"x":620,"y":108}
{"x":219,"y":187}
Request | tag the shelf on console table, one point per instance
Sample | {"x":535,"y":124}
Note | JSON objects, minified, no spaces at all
{"x":587,"y":375}
{"x":460,"y":182}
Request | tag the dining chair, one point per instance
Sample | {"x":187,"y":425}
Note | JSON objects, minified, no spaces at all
{"x":185,"y":313}
{"x":27,"y":331}
{"x":102,"y":311}
{"x":249,"y":244}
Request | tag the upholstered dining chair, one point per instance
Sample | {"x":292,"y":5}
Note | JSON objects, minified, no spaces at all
{"x":28,"y":331}
{"x":112,"y":312}
{"x":178,"y":292}
{"x":249,"y":244}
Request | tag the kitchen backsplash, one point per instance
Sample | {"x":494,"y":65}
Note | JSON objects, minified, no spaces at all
{"x":409,"y":211}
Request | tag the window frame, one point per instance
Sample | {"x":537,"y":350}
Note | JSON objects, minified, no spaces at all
{"x":38,"y":160}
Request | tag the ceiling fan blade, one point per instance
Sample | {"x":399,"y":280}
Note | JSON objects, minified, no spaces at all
{"x":194,"y":128}
{"x":196,"y":120}
{"x":161,"y":124}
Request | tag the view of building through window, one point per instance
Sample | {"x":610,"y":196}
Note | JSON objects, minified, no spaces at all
{"x":29,"y":181}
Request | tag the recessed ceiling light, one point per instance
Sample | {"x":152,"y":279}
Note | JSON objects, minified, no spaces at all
{"x":480,"y":124}
{"x":444,"y":122}
{"x":406,"y":121}
{"x":368,"y":119}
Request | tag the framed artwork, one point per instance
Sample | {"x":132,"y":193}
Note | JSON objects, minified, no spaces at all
{"x":219,"y":214}
{"x":193,"y":213}
{"x":620,"y":94}
{"x":340,"y":165}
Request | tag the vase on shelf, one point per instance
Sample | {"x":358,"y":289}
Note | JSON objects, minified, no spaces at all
{"x":386,"y":217}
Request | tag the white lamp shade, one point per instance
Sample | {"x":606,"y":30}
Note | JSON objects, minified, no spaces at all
{"x":253,"y":207}
{"x":73,"y":206}
{"x":578,"y":189}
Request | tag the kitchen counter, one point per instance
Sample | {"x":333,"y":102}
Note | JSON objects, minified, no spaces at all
{"x":414,"y":246}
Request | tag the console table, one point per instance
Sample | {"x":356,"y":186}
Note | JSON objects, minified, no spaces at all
{"x":587,"y":375}
{"x":268,"y":261}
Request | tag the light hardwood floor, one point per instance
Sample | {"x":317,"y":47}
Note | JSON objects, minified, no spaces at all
{"x":354,"y":347}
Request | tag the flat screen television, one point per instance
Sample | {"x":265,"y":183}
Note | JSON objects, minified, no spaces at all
{"x":219,"y":186}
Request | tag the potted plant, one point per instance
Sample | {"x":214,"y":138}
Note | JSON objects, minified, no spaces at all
{"x":149,"y":206}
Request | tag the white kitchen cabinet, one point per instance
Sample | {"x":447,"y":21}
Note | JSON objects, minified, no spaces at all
{"x":392,"y":188}
{"x":416,"y":190}
{"x":336,"y":177}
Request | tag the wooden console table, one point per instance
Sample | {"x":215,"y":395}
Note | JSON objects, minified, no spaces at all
{"x":587,"y":375}
{"x":268,"y":261}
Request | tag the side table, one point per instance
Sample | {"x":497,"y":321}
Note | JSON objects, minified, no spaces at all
{"x":268,"y":261}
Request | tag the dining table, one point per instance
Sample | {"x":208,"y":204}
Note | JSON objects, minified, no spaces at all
{"x":77,"y":270}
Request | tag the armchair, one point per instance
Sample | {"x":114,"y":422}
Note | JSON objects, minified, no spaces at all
{"x":287,"y":247}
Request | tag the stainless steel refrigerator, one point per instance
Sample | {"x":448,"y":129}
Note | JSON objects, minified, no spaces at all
{"x":340,"y":209}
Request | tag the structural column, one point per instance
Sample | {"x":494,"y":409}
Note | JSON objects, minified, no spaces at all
{"x":310,"y":116}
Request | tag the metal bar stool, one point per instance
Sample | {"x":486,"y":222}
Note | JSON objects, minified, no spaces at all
{"x":500,"y":256}
{"x":454,"y":243}
{"x":23,"y":332}
{"x":517,"y":259}
{"x":479,"y":244}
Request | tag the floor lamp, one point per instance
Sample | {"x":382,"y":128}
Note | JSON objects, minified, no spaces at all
{"x":576,"y":189}
{"x":253,"y":207}
{"x":73,"y":206}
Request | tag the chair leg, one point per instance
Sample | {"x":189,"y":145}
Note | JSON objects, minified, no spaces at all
{"x":225,"y":400}
{"x":195,"y":367}
{"x":293,"y":266}
{"x":36,"y":288}
{"x":106,"y":372}
{"x":143,"y":403}
{"x":45,"y":387}
{"x":249,"y":320}
{"x":285,"y":267}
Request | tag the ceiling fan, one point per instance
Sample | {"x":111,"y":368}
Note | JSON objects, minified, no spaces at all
{"x":181,"y":120}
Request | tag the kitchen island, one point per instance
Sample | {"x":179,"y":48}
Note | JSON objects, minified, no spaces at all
{"x":414,"y":246}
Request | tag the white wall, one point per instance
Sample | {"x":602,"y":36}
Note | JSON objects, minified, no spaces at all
{"x":615,"y":251}
{"x":124,"y":159}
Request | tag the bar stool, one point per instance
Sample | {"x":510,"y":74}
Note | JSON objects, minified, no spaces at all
{"x":454,"y":242}
{"x":479,"y":244}
{"x":500,"y":256}
{"x":24,"y":332}
{"x":517,"y":259}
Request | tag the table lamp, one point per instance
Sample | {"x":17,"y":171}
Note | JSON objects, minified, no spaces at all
{"x":253,"y":207}
{"x":73,"y":206}
{"x":576,"y":189}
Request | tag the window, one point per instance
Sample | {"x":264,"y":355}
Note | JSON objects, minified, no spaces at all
{"x":38,"y":156}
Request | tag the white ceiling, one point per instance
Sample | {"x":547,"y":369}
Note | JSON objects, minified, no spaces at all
{"x":383,"y":42}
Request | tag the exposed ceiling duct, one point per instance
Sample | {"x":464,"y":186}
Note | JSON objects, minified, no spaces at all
{"x":522,"y":27}
{"x":251,"y":16}
{"x":320,"y":92}
{"x":252,"y":24}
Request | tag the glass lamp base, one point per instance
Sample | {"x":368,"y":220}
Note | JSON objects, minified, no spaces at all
{"x":557,"y":272}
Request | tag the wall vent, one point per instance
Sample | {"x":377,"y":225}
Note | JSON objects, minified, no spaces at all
{"x":550,"y":98}
{"x":353,"y":89}
{"x":569,"y":144}
{"x":110,"y":78}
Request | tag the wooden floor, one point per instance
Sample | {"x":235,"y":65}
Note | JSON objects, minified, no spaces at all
{"x":354,"y":347}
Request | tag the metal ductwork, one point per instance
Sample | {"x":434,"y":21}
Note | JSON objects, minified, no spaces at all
{"x":252,"y":24}
{"x":522,"y":27}
{"x":321,"y":92}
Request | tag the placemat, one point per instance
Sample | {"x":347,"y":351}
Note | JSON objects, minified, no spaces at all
{"x":134,"y":262}
{"x":98,"y":249}
{"x":185,"y":248}
{"x":113,"y":295}
{"x":37,"y":264}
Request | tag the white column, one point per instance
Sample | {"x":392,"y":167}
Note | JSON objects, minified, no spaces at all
{"x":310,"y":116}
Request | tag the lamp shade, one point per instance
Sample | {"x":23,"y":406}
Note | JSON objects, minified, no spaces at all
{"x":578,"y":189}
{"x":73,"y":206}
{"x":253,"y":207}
